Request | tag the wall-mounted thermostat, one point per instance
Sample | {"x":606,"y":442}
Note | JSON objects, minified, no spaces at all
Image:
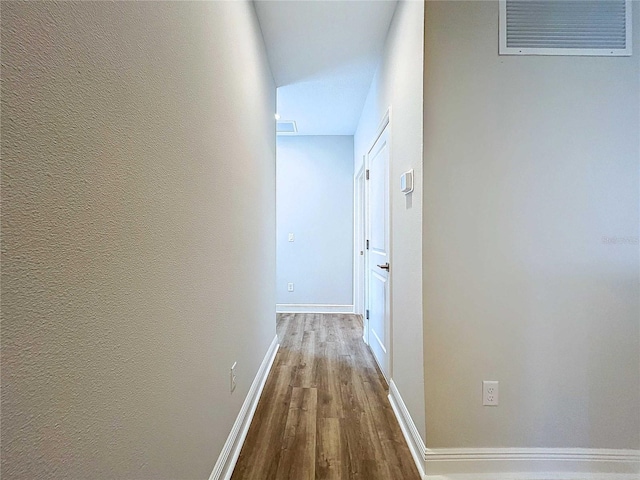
{"x":406,"y":182}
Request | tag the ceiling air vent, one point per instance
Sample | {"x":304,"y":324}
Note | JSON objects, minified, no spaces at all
{"x":565,"y":27}
{"x":286,"y":127}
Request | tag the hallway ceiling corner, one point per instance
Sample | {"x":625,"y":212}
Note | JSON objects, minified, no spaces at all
{"x":323,"y":55}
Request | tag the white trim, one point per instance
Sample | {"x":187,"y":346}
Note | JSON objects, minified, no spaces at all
{"x":531,"y":464}
{"x":359,"y":188}
{"x":536,"y":476}
{"x":512,"y":463}
{"x":231,"y":450}
{"x":312,"y":308}
{"x":379,"y":342}
{"x":408,"y":427}
{"x":386,"y":119}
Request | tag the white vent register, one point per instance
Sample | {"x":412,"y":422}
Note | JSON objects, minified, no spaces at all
{"x":565,"y":27}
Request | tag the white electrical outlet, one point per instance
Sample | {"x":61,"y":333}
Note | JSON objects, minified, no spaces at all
{"x":290,"y":287}
{"x":292,"y":237}
{"x":490,"y":393}
{"x":233,"y":377}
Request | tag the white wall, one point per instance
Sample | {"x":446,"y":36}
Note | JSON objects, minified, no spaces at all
{"x":529,"y":162}
{"x":398,"y":84}
{"x":138,"y":234}
{"x":315,"y":202}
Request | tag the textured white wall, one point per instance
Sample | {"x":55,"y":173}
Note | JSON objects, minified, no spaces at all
{"x":529,"y":162}
{"x":398,"y":83}
{"x":138,"y":234}
{"x":315,"y":202}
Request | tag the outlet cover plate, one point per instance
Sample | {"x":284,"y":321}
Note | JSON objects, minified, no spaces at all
{"x":490,"y":393}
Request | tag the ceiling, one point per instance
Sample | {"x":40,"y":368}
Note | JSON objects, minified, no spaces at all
{"x":323,"y":55}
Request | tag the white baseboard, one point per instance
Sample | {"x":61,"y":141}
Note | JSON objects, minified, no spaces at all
{"x":408,"y":427}
{"x":531,"y":464}
{"x":536,"y":476}
{"x":231,"y":450}
{"x":512,"y":463}
{"x":313,"y":308}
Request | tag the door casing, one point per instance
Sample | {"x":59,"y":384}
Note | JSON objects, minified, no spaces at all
{"x":359,"y":236}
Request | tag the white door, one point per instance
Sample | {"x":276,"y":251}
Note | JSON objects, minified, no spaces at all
{"x":378,"y":292}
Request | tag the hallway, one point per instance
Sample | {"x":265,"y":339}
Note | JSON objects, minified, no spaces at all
{"x":324,"y":411}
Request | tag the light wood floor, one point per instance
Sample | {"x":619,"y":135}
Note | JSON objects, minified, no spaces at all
{"x":324,"y":412}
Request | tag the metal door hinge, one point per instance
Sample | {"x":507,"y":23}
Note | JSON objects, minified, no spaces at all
{"x":367,"y":174}
{"x":367,"y":244}
{"x":367,"y":312}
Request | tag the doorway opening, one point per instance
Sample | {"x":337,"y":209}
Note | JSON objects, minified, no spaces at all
{"x":324,"y":56}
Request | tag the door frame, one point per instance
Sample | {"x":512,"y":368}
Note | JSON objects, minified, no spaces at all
{"x":359,"y":237}
{"x":384,"y":124}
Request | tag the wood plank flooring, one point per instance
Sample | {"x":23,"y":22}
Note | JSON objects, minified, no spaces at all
{"x":324,"y":412}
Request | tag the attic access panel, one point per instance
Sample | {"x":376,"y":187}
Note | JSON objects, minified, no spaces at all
{"x":565,"y":27}
{"x":286,"y":127}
